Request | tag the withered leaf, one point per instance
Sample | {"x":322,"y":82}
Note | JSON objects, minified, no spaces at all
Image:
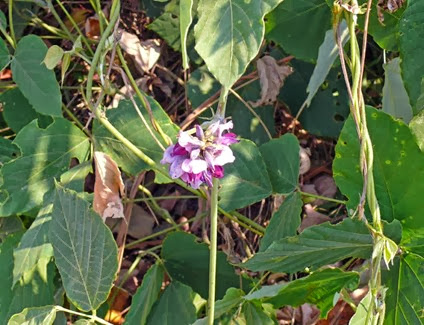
{"x":388,"y":5}
{"x":271,"y":77}
{"x":108,"y":187}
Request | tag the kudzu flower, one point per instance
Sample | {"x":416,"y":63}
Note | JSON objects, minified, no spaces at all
{"x":199,"y":154}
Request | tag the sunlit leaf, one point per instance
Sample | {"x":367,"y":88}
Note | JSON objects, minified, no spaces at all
{"x":29,"y":177}
{"x":314,"y":247}
{"x":36,"y":82}
{"x":34,"y":316}
{"x":227,"y":50}
{"x":84,"y":250}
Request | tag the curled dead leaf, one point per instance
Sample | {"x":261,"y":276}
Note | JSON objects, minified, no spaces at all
{"x":271,"y":77}
{"x":108,"y":187}
{"x":145,"y":53}
{"x":305,"y":161}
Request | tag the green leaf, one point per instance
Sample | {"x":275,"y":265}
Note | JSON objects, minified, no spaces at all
{"x":186,"y":18}
{"x":202,"y":85}
{"x":405,"y":294}
{"x":145,"y":296}
{"x":34,"y":289}
{"x":228,"y":50}
{"x":188,"y":262}
{"x":6,"y":262}
{"x":34,"y":316}
{"x":361,"y":313}
{"x":34,"y":244}
{"x":282,"y":161}
{"x":386,"y":34}
{"x":53,"y":56}
{"x":84,"y":250}
{"x":327,"y":54}
{"x":246,"y":180}
{"x":36,"y":82}
{"x":316,"y":246}
{"x":299,"y":27}
{"x":411,"y":28}
{"x":318,"y":288}
{"x":74,"y":179}
{"x":398,"y":169}
{"x":8,"y":151}
{"x":330,"y":106}
{"x":254,"y":313}
{"x":395,"y":98}
{"x":284,"y":222}
{"x":17,"y":111}
{"x":232,"y":299}
{"x":4,"y":55}
{"x":127,"y":121}
{"x":29,"y":177}
{"x":175,"y":300}
{"x":10,"y":225}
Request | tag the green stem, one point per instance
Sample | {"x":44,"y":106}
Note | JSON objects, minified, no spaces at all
{"x":59,"y":20}
{"x":213,"y":250}
{"x":249,"y":222}
{"x":100,"y":47}
{"x":165,"y":197}
{"x":92,"y":317}
{"x":6,"y":36}
{"x":315,"y":196}
{"x":11,"y":28}
{"x":222,"y":102}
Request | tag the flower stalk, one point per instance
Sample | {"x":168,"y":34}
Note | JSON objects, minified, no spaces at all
{"x":213,"y":250}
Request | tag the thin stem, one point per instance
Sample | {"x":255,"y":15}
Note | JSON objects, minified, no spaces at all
{"x":213,"y":250}
{"x":165,"y":197}
{"x":114,"y":18}
{"x":249,"y":222}
{"x":222,"y":102}
{"x":325,"y":198}
{"x":6,"y":36}
{"x":251,"y":110}
{"x":162,"y":232}
{"x":93,"y":317}
{"x":59,"y":20}
{"x":11,"y":27}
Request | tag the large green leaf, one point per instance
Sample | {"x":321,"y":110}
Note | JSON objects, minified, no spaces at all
{"x":18,"y":112}
{"x":37,"y":83}
{"x":318,"y":289}
{"x":188,"y":262}
{"x":246,"y":180}
{"x":127,"y":121}
{"x":282,"y":162}
{"x":46,"y":154}
{"x":284,"y":222}
{"x":330,"y":106}
{"x":84,"y":250}
{"x":34,"y":289}
{"x":34,"y":316}
{"x":145,"y":296}
{"x":254,"y":313}
{"x":227,"y":50}
{"x":299,"y":27}
{"x":395,"y":98}
{"x":4,"y":55}
{"x":316,"y":246}
{"x":6,"y":262}
{"x":34,"y":244}
{"x":175,"y":306}
{"x":201,"y":86}
{"x":398,"y":169}
{"x":411,"y":28}
{"x":405,"y":294}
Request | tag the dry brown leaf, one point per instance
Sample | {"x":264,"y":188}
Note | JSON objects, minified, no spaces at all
{"x":305,"y":161}
{"x":271,"y":77}
{"x":388,"y":5}
{"x":145,"y":53}
{"x":92,"y":28}
{"x":325,"y":186}
{"x":312,"y":218}
{"x":141,"y":223}
{"x":108,"y":187}
{"x":79,"y":16}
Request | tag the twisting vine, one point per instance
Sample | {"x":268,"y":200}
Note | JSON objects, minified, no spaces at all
{"x":383,"y":247}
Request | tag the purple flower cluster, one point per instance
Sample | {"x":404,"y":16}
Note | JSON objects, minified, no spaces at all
{"x":199,"y":155}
